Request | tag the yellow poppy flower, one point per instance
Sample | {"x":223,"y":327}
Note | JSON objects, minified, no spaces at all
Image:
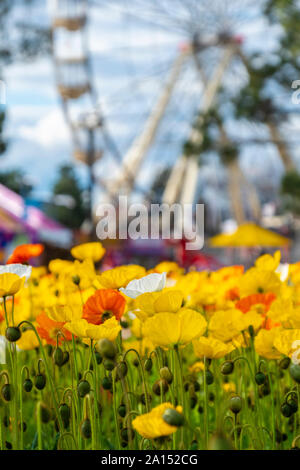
{"x":281,"y":310}
{"x":64,"y":313}
{"x":81,"y":328}
{"x":190,"y":282}
{"x":93,"y":251}
{"x":58,"y":266}
{"x":12,"y":278}
{"x":229,"y":387}
{"x":79,"y":275}
{"x":28,"y":341}
{"x":197,"y":367}
{"x":168,"y":267}
{"x":268,"y":262}
{"x":287,"y":341}
{"x":256,"y":281}
{"x":152,"y":425}
{"x":120,"y":276}
{"x":225,"y":325}
{"x":142,"y":346}
{"x":211,"y":348}
{"x":150,"y":303}
{"x":167,"y":329}
{"x":264,"y":344}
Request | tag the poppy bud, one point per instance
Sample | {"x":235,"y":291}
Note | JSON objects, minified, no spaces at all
{"x":135,"y":362}
{"x":8,"y":445}
{"x":7,"y":392}
{"x":209,"y":377}
{"x":143,"y":398}
{"x":5,"y":421}
{"x":284,"y":363}
{"x":65,"y":414}
{"x":45,"y":413}
{"x":107,"y":383}
{"x":227,"y":367}
{"x":122,"y":410}
{"x":148,"y":364}
{"x":166,"y":374}
{"x":66,"y":357}
{"x":197,"y":386}
{"x":286,"y":410}
{"x":295,"y":372}
{"x":98,"y":358}
{"x":83,"y":388}
{"x":106,"y":348}
{"x":13,"y":334}
{"x":194,"y":445}
{"x":27,"y":385}
{"x":200,"y":409}
{"x":260,"y":378}
{"x":76,"y":280}
{"x":235,"y":404}
{"x":86,"y":428}
{"x":58,"y":357}
{"x":160,"y":386}
{"x":251,"y":331}
{"x":293,"y":404}
{"x":108,"y":364}
{"x":122,"y":370}
{"x":40,"y":381}
{"x":173,"y":417}
{"x":124,"y":324}
{"x":23,"y":426}
{"x":127,"y":433}
{"x":193,"y":401}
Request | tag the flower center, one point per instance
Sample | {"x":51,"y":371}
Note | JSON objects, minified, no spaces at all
{"x":106,"y":315}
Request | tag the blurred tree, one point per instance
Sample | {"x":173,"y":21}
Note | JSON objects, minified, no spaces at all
{"x":68,"y":206}
{"x":21,"y":39}
{"x":290,"y":189}
{"x":14,"y":180}
{"x":271,"y":77}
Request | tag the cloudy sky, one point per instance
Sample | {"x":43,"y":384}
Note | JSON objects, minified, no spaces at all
{"x":131,"y":53}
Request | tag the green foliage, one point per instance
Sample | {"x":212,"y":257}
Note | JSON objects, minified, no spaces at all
{"x":71,"y":215}
{"x":14,"y":180}
{"x":290,"y":189}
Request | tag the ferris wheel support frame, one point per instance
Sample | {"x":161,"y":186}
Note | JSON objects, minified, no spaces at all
{"x":182,"y":183}
{"x":138,"y":151}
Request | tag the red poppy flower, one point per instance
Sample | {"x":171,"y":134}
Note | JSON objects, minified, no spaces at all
{"x":23,"y":253}
{"x":246,"y":303}
{"x":102,"y":305}
{"x":49,"y":329}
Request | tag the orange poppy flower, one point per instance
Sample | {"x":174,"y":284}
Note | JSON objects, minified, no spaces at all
{"x":23,"y":253}
{"x":49,"y":329}
{"x":102,"y":305}
{"x":246,"y":303}
{"x":269,"y":324}
{"x":232,"y":294}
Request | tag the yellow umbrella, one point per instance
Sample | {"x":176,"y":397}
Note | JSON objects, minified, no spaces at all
{"x":249,"y":235}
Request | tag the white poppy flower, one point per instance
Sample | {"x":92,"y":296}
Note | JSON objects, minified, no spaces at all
{"x":283,"y":271}
{"x":152,"y":283}
{"x":20,"y":269}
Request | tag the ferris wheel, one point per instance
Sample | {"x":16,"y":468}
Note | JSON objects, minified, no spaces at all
{"x":193,"y":50}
